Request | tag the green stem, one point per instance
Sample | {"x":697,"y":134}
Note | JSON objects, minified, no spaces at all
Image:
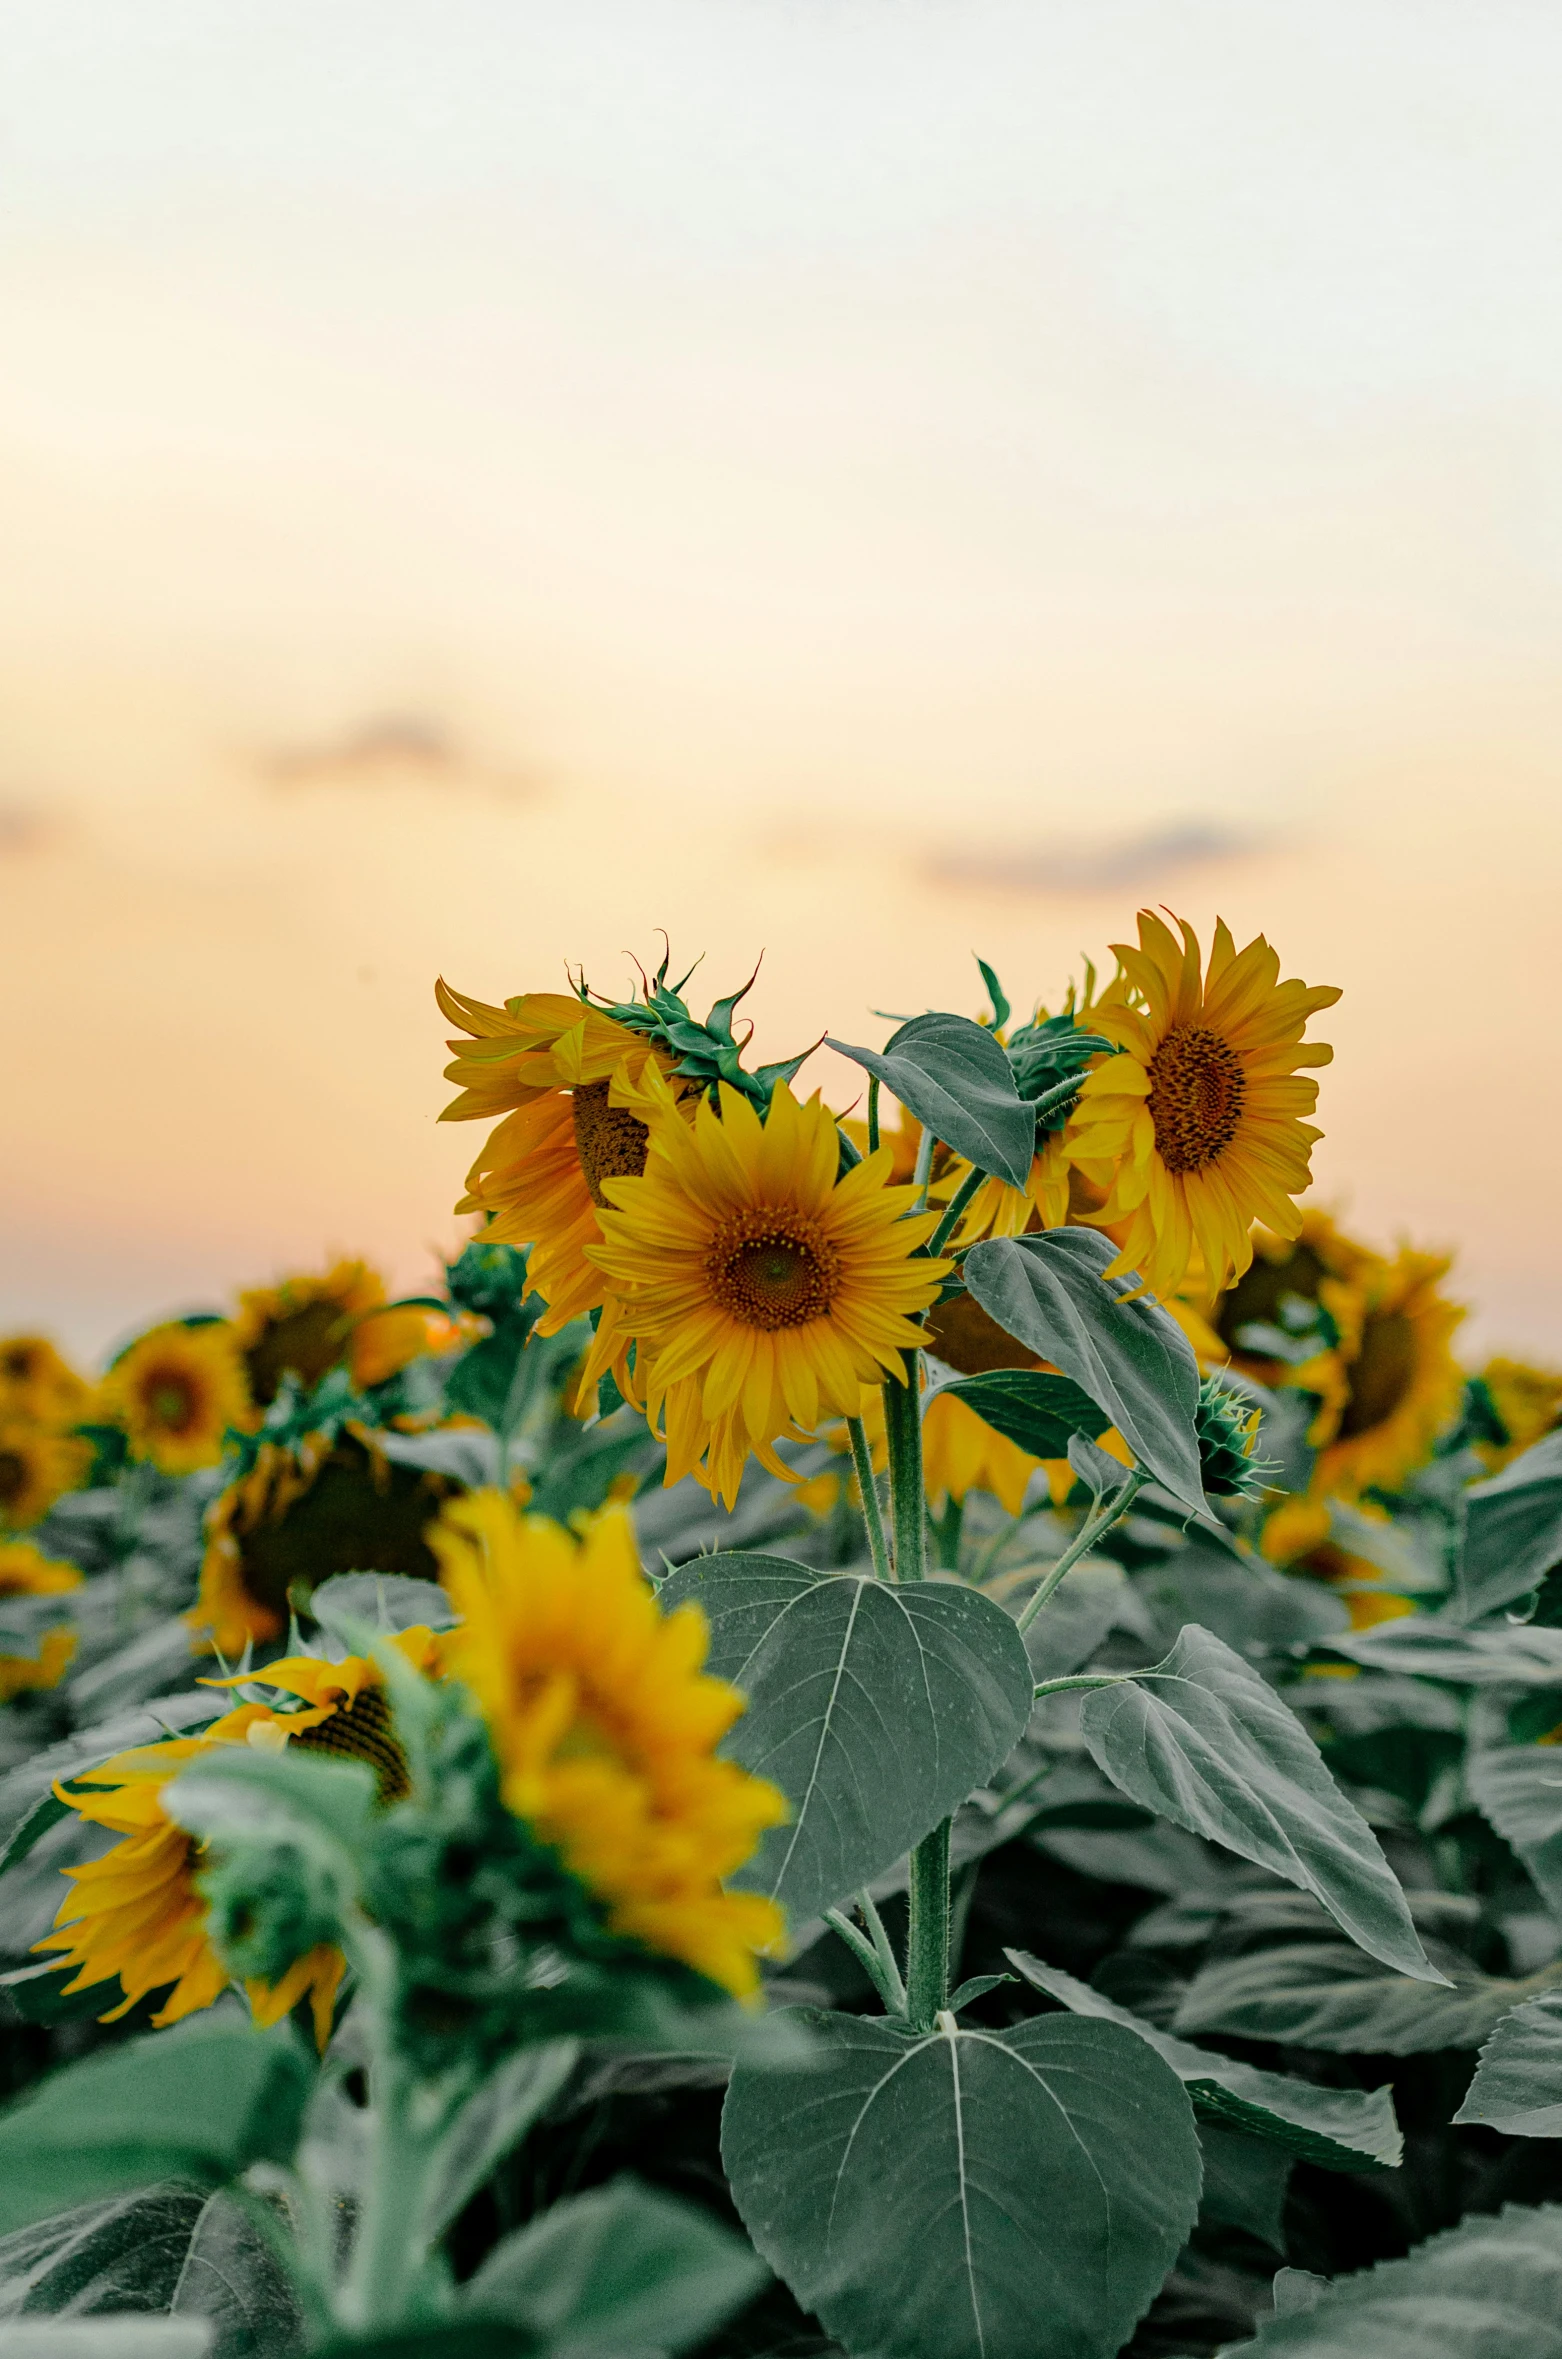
{"x":1058,"y":1687}
{"x":873,"y":1114}
{"x":882,"y":1945}
{"x":1058,"y":1095}
{"x":880,"y":1967}
{"x":924,"y":1168}
{"x":961,"y":1198}
{"x":946,"y":1535}
{"x":867,"y":1484}
{"x":903,"y":1428}
{"x":927,"y":1941}
{"x":1099,"y":1520}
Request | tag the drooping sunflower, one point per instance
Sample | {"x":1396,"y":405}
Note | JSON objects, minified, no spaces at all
{"x":1527,"y":1402}
{"x":300,"y":1514}
{"x":306,"y":1325}
{"x":604,"y":1726}
{"x":1194,"y":1130}
{"x":177,"y":1393}
{"x":38,"y":1385}
{"x":37,"y":1466}
{"x":566,"y":1079}
{"x":761,"y":1289}
{"x":26,"y":1572}
{"x":1402,"y":1384}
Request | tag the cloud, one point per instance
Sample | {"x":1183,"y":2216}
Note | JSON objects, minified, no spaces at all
{"x":1129,"y":863}
{"x":386,"y":750}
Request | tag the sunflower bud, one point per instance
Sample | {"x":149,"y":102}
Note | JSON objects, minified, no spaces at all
{"x":1227,"y":1428}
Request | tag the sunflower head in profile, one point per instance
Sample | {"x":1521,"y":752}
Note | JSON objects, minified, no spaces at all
{"x":26,"y":1572}
{"x":761,"y":1287}
{"x":37,"y":1466}
{"x":1402,"y":1384}
{"x":298,"y":1514}
{"x":562,"y":1077}
{"x":304,"y":1326}
{"x":177,"y":1393}
{"x":1194,"y":1129}
{"x":38,"y":1385}
{"x":1525,"y":1404}
{"x":604,"y":1727}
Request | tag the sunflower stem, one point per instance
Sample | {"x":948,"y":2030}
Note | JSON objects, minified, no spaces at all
{"x":1100,"y":1519}
{"x":873,"y":1114}
{"x":1058,"y":1095}
{"x":879,"y":1966}
{"x":903,"y":1428}
{"x":867,"y":1484}
{"x":927,"y":1941}
{"x":946,"y":1535}
{"x":924,"y":1168}
{"x":951,"y":1220}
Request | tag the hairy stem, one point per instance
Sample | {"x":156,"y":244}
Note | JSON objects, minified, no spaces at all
{"x":879,"y":1965}
{"x":867,"y":1484}
{"x":951,"y":1220}
{"x":873,"y":1114}
{"x":903,"y":1427}
{"x":927,"y":1942}
{"x":946,"y":1535}
{"x":1099,"y":1520}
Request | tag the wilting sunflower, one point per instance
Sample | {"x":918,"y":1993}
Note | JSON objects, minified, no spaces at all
{"x":1194,"y":1130}
{"x":301,"y":1514}
{"x":1527,"y":1403}
{"x":762,"y":1291}
{"x":1402,"y":1384}
{"x":26,"y":1572}
{"x":177,"y":1393}
{"x":566,"y":1078}
{"x":37,"y":1385}
{"x":37,"y":1466}
{"x":605,"y":1727}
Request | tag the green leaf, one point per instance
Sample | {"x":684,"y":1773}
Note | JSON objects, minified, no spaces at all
{"x":108,"y":2338}
{"x":127,"y":2253}
{"x":876,"y":1709}
{"x":968,"y":2194}
{"x":201,"y":2103}
{"x":1268,"y":1618}
{"x":1324,"y":1994}
{"x":1041,"y":1413}
{"x":1204,"y":1742}
{"x":1427,"y":1647}
{"x":490,"y":2124}
{"x":1341,"y":2129}
{"x":620,"y":2269}
{"x":1513,"y":1529}
{"x":45,"y":1813}
{"x":1095,"y":1598}
{"x":1491,"y":2289}
{"x":23,"y":1787}
{"x":456,"y":2338}
{"x":1518,"y":2082}
{"x":1131,"y":1358}
{"x":1520,"y":1791}
{"x":276,"y":1797}
{"x":1245,"y":2182}
{"x":958,"y":1083}
{"x":494,"y":1379}
{"x":350,"y":1603}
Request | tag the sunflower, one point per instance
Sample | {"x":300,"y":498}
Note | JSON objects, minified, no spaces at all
{"x":305,"y":1326}
{"x":1055,"y":1192}
{"x":1194,"y":1130}
{"x":37,"y":1466}
{"x":1299,"y":1537}
{"x":37,"y":1385}
{"x":568,"y":1081}
{"x":1402,"y":1384}
{"x":300,"y":1514}
{"x":26,"y":1572}
{"x":177,"y":1393}
{"x":761,"y":1289}
{"x":1527,"y":1402}
{"x":605,"y":1727}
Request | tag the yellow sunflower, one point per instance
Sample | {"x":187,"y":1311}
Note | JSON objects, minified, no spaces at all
{"x":605,"y":1727}
{"x":1402,"y":1383}
{"x":762,"y":1291}
{"x":1298,"y":1536}
{"x":1528,"y":1401}
{"x":26,"y":1572}
{"x":565,"y":1078}
{"x":37,"y":1466}
{"x":176,"y":1393}
{"x":301,"y":1514}
{"x":38,"y":1385}
{"x":1194,"y":1130}
{"x":304,"y":1326}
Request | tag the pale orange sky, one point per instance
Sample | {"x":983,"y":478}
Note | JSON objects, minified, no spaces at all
{"x":870,"y":484}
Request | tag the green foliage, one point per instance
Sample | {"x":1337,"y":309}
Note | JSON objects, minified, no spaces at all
{"x":958,"y":1083}
{"x":1042,"y":1413}
{"x":875,"y":1709}
{"x":968,"y":2191}
{"x":1513,"y":1529}
{"x":1518,"y":2082}
{"x":1326,"y":1995}
{"x":1489,"y":2290}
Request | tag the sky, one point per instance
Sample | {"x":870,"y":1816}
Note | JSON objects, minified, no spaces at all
{"x":865,"y":483}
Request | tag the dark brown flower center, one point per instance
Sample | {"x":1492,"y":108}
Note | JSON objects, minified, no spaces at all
{"x":171,"y":1402}
{"x":1381,"y":1374}
{"x":1197,"y":1085}
{"x":303,"y":1343}
{"x":21,"y":1364}
{"x":362,"y":1731}
{"x":13,"y":1477}
{"x":772,"y":1269}
{"x":610,"y":1142}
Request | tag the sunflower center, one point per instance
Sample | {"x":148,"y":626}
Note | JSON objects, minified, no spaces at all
{"x":171,"y":1401}
{"x":1197,"y":1085}
{"x":362,"y":1731}
{"x":303,"y":1343}
{"x":1381,"y":1373}
{"x":13,"y":1476}
{"x":18,"y":1364}
{"x":772,"y":1269}
{"x":610,"y":1142}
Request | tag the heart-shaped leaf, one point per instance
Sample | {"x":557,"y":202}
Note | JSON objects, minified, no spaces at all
{"x":876,"y":1709}
{"x":957,"y":1081}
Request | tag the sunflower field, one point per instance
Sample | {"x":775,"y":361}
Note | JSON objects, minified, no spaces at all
{"x":930,"y":1732}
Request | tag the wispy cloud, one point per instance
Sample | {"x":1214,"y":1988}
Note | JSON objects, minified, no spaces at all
{"x":390,"y":749}
{"x":1127,"y":863}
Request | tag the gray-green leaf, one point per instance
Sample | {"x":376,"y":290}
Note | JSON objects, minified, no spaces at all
{"x":1524,"y":1655}
{"x":1341,"y":2129}
{"x":1323,"y":1994}
{"x":1041,"y":1413}
{"x":1203,"y":1741}
{"x":968,"y":2194}
{"x":1520,"y":1790}
{"x":1131,"y":1358}
{"x":1518,"y":2082}
{"x":1491,"y":2289}
{"x":1513,"y":1529}
{"x":958,"y":1083}
{"x":876,"y":1709}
